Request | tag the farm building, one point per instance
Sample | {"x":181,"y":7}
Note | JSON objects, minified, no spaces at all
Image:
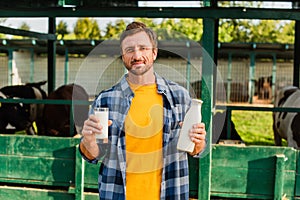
{"x":24,"y":61}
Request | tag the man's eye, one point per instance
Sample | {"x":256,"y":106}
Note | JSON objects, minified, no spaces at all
{"x":129,"y":50}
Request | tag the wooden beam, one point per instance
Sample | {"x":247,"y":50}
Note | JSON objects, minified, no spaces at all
{"x":158,"y":12}
{"x":41,"y":36}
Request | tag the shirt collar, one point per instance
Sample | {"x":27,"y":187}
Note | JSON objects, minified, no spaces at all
{"x":162,"y":87}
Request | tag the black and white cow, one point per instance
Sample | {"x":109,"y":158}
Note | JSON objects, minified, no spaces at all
{"x":286,"y":125}
{"x":20,"y":116}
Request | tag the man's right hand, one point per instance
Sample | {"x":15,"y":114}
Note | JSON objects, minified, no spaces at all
{"x":88,"y":144}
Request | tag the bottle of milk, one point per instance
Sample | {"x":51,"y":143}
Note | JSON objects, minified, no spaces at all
{"x":192,"y":117}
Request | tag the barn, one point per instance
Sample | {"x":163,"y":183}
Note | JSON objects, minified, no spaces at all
{"x":51,"y":168}
{"x":27,"y":63}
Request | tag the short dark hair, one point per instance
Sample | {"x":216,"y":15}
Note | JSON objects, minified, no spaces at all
{"x":136,"y":27}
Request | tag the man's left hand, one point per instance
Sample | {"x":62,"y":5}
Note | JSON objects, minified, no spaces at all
{"x":197,"y":134}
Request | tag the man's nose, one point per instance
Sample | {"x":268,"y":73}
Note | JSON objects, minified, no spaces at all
{"x":137,"y":53}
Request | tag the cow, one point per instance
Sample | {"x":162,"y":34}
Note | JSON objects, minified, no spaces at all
{"x":286,"y":125}
{"x":20,"y":116}
{"x":220,"y":122}
{"x":56,"y":117}
{"x":238,"y":91}
{"x":220,"y":118}
{"x":264,"y":87}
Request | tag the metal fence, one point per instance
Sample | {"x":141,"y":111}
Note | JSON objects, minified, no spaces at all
{"x":98,"y":73}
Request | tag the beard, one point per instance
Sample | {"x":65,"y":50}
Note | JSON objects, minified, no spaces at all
{"x":141,"y":70}
{"x":137,"y":69}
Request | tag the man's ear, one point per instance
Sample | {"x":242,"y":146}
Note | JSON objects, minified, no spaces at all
{"x":155,"y":51}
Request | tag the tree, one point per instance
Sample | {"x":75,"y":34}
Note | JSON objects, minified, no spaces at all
{"x":2,"y":21}
{"x":87,"y":28}
{"x":168,"y":29}
{"x":192,"y":28}
{"x":242,"y":30}
{"x":24,"y":26}
{"x":234,"y":30}
{"x":113,"y":31}
{"x":225,"y":29}
{"x":287,"y":33}
{"x":62,"y":29}
{"x":266,"y":31}
{"x":148,"y":22}
{"x":230,"y":30}
{"x":178,"y":29}
{"x":259,"y":31}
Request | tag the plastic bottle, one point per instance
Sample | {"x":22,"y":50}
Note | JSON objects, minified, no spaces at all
{"x":192,"y":117}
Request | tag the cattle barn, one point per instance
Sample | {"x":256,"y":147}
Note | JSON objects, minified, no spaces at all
{"x":28,"y":62}
{"x":52,"y":168}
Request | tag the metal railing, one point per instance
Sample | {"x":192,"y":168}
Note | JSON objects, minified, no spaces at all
{"x":71,"y":103}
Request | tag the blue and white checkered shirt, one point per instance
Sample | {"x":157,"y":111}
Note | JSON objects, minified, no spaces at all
{"x":112,"y":175}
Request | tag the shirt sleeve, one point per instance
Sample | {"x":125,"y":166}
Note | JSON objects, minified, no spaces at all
{"x":103,"y":151}
{"x":94,"y":161}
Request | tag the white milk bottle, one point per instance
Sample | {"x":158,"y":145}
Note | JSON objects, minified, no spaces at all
{"x":102,"y":114}
{"x":192,"y":117}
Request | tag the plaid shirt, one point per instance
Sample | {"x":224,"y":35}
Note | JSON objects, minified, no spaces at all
{"x":112,"y":174}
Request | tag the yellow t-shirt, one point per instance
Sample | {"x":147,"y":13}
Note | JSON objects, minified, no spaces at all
{"x":144,"y":138}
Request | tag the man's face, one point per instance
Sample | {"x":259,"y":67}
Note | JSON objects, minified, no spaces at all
{"x":138,"y":53}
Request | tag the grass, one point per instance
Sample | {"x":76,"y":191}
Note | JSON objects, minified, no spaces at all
{"x":255,"y":127}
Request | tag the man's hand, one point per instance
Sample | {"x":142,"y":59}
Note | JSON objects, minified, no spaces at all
{"x":88,"y":144}
{"x":197,"y":134}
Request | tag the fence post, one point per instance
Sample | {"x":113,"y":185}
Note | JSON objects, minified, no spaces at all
{"x":79,"y":175}
{"x":251,"y":76}
{"x":279,"y":177}
{"x":208,"y":97}
{"x":10,"y":67}
{"x":274,"y":78}
{"x":229,"y":78}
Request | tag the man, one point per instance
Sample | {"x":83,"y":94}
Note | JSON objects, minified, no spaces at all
{"x":146,"y":112}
